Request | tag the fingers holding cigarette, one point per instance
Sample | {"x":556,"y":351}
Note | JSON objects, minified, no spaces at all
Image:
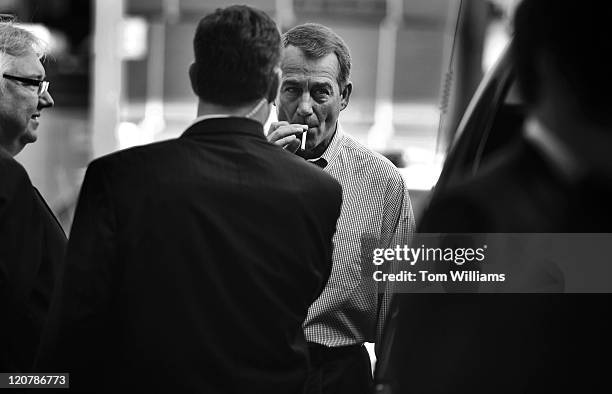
{"x":288,"y":135}
{"x":290,"y":143}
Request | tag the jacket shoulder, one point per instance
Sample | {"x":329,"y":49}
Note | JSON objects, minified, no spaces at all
{"x":13,"y":175}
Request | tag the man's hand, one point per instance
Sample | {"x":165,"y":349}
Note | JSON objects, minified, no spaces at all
{"x":288,"y":136}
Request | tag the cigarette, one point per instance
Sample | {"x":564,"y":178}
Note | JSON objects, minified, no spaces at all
{"x":304,"y":140}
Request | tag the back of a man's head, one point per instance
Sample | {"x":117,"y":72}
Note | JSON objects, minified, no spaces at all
{"x":236,"y":52}
{"x":17,"y":42}
{"x":317,"y":41}
{"x":573,"y":37}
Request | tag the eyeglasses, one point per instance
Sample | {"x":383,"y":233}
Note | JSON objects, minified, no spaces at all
{"x":43,"y":86}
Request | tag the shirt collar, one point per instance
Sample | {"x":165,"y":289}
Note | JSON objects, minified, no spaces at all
{"x":211,"y":116}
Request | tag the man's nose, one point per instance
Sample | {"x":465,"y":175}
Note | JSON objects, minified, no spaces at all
{"x":305,"y":106}
{"x":45,"y":100}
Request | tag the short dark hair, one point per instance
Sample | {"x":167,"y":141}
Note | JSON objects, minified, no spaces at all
{"x":317,"y":41}
{"x":236,"y":51}
{"x":574,"y":35}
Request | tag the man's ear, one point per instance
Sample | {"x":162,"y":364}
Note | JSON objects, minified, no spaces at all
{"x":274,"y":86}
{"x":193,"y":77}
{"x":345,"y":95}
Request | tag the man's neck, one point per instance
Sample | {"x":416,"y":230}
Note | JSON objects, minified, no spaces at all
{"x":11,"y":148}
{"x":256,"y":110}
{"x":560,"y":111}
{"x":588,"y":142}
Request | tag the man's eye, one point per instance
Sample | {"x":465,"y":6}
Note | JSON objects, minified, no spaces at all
{"x":320,"y":94}
{"x":291,"y":90}
{"x":29,"y":86}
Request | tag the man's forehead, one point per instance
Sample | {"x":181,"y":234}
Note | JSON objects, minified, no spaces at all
{"x":296,"y":65}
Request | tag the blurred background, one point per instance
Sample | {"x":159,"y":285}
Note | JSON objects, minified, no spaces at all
{"x":118,"y":73}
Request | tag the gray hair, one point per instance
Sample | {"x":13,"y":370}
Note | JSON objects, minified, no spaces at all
{"x":16,"y":41}
{"x":317,"y":41}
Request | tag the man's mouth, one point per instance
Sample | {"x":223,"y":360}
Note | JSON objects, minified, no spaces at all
{"x":35,"y":116}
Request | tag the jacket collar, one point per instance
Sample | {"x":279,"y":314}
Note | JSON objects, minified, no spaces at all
{"x":554,"y":150}
{"x":226,"y":124}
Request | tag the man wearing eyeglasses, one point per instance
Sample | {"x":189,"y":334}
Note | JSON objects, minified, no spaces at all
{"x":32,"y":243}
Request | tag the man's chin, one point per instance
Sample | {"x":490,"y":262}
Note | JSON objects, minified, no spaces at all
{"x":29,"y":137}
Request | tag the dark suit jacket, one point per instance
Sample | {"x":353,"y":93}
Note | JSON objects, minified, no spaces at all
{"x":522,"y":192}
{"x":32,"y":245}
{"x":507,"y":343}
{"x":191,"y":266}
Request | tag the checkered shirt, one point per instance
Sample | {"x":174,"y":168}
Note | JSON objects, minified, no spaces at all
{"x":376,"y":213}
